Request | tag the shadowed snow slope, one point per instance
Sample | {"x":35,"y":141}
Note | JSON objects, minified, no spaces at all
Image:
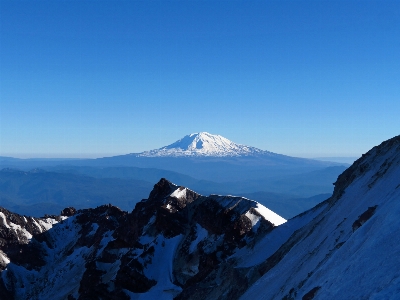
{"x":346,"y":248}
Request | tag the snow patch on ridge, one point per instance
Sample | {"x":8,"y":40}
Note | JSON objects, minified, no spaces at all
{"x":25,"y":233}
{"x":269,"y":215}
{"x":4,"y":258}
{"x":242,"y":205}
{"x":253,"y":218}
{"x":179,"y":193}
{"x":251,"y":256}
{"x":161,"y":270}
{"x":202,"y":233}
{"x":47,"y":223}
{"x":3,"y":220}
{"x":49,"y":281}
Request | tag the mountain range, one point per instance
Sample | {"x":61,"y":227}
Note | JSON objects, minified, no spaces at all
{"x":214,"y":158}
{"x":201,"y":155}
{"x":178,"y":244}
{"x":205,"y":162}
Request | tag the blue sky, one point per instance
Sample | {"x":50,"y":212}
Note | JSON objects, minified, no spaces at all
{"x":98,"y":78}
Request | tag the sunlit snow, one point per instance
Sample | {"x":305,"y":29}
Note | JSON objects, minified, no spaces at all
{"x":203,"y":144}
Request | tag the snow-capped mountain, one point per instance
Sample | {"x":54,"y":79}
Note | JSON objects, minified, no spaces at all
{"x":202,"y":156}
{"x":203,"y":144}
{"x":178,"y":244}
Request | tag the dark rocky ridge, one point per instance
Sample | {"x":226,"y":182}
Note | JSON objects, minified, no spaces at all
{"x":121,"y":246}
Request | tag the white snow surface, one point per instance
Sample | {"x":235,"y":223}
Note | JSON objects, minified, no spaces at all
{"x":201,"y":234}
{"x":50,"y":281}
{"x":253,"y":218}
{"x":179,"y":193}
{"x":203,"y":144}
{"x":251,"y":256}
{"x":26,"y":236}
{"x":25,"y":233}
{"x":47,"y":223}
{"x":269,"y":215}
{"x":3,"y":220}
{"x":3,"y":257}
{"x":61,"y":276}
{"x":160,"y":268}
{"x":327,"y":251}
{"x":242,"y":205}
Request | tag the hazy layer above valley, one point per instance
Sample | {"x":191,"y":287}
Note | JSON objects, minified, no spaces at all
{"x":207,"y":163}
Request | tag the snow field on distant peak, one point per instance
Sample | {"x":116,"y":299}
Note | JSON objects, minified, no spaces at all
{"x":203,"y":144}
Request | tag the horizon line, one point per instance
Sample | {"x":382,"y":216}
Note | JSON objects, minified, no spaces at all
{"x":71,"y":156}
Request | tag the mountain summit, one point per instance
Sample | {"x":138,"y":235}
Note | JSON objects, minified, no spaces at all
{"x":169,"y":242}
{"x":204,"y":144}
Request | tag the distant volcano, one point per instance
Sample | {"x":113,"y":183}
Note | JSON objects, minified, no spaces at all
{"x":204,"y":144}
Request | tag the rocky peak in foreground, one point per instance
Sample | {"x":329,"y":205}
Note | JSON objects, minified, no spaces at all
{"x":168,"y":243}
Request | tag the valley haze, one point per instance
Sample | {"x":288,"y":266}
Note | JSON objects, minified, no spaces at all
{"x":207,"y":163}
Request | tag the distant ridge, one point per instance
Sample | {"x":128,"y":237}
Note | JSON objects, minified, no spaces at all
{"x":202,"y":156}
{"x":204,"y":144}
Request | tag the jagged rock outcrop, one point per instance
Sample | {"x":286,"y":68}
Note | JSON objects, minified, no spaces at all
{"x":18,"y":247}
{"x":168,"y":243}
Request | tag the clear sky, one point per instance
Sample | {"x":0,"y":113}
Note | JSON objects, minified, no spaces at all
{"x":98,"y":78}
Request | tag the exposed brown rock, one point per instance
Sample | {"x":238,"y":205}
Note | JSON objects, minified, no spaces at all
{"x":69,"y":211}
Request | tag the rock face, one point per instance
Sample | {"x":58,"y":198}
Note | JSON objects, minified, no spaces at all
{"x":18,"y":246}
{"x":178,"y":244}
{"x":167,"y":244}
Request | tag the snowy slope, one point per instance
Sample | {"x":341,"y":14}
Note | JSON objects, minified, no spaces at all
{"x":203,"y":144}
{"x":349,"y":250}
